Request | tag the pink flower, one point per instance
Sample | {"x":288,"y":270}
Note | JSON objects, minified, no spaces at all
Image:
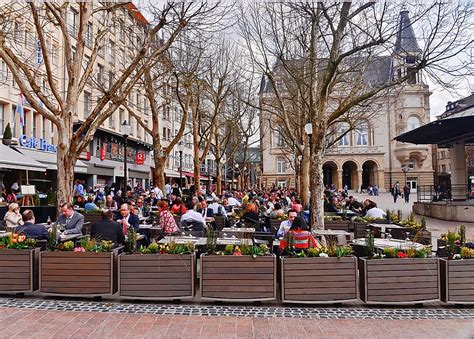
{"x":402,"y":255}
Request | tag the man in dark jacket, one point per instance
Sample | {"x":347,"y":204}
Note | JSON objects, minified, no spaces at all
{"x":127,"y":218}
{"x":30,"y":228}
{"x":107,"y":229}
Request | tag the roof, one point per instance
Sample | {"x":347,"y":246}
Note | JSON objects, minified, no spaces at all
{"x":136,"y":13}
{"x":406,"y":40}
{"x":441,"y":132}
{"x":457,"y":107}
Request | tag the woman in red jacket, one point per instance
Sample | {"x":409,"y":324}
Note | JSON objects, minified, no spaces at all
{"x":298,"y":237}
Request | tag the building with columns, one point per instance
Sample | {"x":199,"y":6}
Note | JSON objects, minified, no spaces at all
{"x":367,"y":155}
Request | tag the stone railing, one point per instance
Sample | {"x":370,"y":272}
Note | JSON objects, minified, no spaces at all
{"x":355,"y":150}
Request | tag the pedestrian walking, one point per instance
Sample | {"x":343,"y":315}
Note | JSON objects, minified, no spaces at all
{"x":406,"y":193}
{"x":396,"y":191}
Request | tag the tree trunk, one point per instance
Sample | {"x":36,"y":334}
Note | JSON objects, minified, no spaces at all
{"x":66,"y":159}
{"x":218,"y":179}
{"x":159,"y":171}
{"x":197,"y":176}
{"x":304,"y":177}
{"x":316,"y":180}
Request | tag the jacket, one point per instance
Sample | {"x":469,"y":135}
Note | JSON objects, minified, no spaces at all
{"x":74,"y":225}
{"x":108,"y":230}
{"x":34,"y":231}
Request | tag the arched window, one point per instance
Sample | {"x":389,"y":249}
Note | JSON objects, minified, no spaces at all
{"x":362,"y":134}
{"x":413,"y":122}
{"x":343,"y":128}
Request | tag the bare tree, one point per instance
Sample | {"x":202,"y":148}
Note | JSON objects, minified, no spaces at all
{"x":316,"y":57}
{"x":83,"y":29}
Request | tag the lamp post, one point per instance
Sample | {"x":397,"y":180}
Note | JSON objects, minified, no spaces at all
{"x":181,"y":172}
{"x":208,"y":177}
{"x":308,"y":128}
{"x":405,"y":169}
{"x":125,"y":131}
{"x":235,"y":172}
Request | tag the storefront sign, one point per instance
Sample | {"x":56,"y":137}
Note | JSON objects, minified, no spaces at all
{"x":140,"y":158}
{"x":102,"y":153}
{"x":33,"y":143}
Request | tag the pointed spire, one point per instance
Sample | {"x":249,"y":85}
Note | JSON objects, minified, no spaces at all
{"x":262,"y":85}
{"x":406,"y":40}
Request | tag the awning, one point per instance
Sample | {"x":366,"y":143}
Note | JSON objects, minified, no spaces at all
{"x":99,"y":169}
{"x":441,"y":132}
{"x":171,"y":173}
{"x":11,"y":158}
{"x":50,"y":159}
{"x":188,"y":174}
{"x":138,"y":174}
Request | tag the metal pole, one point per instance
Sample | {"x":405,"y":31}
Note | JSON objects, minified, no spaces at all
{"x":208,"y":177}
{"x":125,"y":169}
{"x":181,"y":171}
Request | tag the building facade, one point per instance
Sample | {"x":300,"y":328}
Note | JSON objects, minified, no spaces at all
{"x":367,"y":155}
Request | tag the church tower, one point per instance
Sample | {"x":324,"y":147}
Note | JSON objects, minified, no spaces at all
{"x":410,"y":110}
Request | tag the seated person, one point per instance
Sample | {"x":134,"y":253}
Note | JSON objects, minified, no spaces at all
{"x":277,"y":211}
{"x":142,"y":210}
{"x":217,"y":208}
{"x":373,"y":211}
{"x":251,"y":213}
{"x":152,"y":200}
{"x":228,"y":208}
{"x":90,"y":206}
{"x":110,"y":203}
{"x":206,"y":211}
{"x":300,"y":237}
{"x":80,"y":201}
{"x":285,"y":225}
{"x":107,"y":229}
{"x":331,"y":205}
{"x":127,"y":218}
{"x":192,"y":219}
{"x":167,"y":222}
{"x":13,"y":217}
{"x":70,"y":219}
{"x":30,"y":228}
{"x":178,"y":206}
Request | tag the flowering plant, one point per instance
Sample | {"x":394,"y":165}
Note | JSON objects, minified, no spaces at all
{"x":17,"y":241}
{"x":253,"y":250}
{"x":392,"y":252}
{"x":324,"y":251}
{"x":170,"y":248}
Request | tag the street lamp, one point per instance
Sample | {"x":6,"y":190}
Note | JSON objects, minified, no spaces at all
{"x":181,"y":172}
{"x":208,"y":176}
{"x":405,"y":169}
{"x":235,"y":172}
{"x":126,"y":129}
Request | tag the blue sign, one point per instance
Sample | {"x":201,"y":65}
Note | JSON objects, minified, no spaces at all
{"x":33,"y":143}
{"x":39,"y":52}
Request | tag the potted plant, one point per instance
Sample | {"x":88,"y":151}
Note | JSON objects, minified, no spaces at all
{"x":417,"y":229}
{"x":158,"y":272}
{"x":457,"y":269}
{"x":18,"y":264}
{"x":7,"y":135}
{"x":319,"y":275}
{"x":399,"y":276}
{"x":85,"y":270}
{"x":238,"y":273}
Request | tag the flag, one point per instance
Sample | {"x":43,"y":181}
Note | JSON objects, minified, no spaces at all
{"x":20,"y":111}
{"x":39,"y":52}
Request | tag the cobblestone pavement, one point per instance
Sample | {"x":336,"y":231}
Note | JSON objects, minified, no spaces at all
{"x":35,"y":323}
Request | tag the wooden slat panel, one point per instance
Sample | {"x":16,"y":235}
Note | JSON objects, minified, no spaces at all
{"x":403,"y":279}
{"x":238,"y":295}
{"x":153,"y":275}
{"x":407,"y":285}
{"x":403,"y":291}
{"x":156,"y":294}
{"x":329,"y":266}
{"x":155,"y":287}
{"x":14,"y":287}
{"x":237,"y":270}
{"x":20,"y":269}
{"x":404,"y":298}
{"x":302,"y":261}
{"x":75,"y":284}
{"x":461,"y":292}
{"x":465,"y":274}
{"x":320,"y":284}
{"x":404,"y":261}
{"x":75,"y":290}
{"x":87,"y":255}
{"x":223,"y":258}
{"x":328,"y":278}
{"x":10,"y":275}
{"x":159,"y":282}
{"x":230,"y":265}
{"x":403,"y":267}
{"x":246,"y":289}
{"x":78,"y":278}
{"x":466,"y":286}
{"x":86,"y":266}
{"x":163,"y":269}
{"x":462,"y":298}
{"x":388,"y":274}
{"x":73,"y":273}
{"x":16,"y":257}
{"x":465,"y":262}
{"x":315,"y":273}
{"x":319,"y":291}
{"x":321,"y":297}
{"x":79,"y":260}
{"x":155,"y":263}
{"x":14,"y":263}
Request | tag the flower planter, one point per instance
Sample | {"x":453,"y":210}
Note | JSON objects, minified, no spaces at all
{"x":360,"y":229}
{"x":238,"y":278}
{"x":457,"y":281}
{"x":318,"y":280}
{"x":19,"y":270}
{"x":156,"y":276}
{"x":399,"y":281}
{"x":85,"y":274}
{"x":339,"y":225}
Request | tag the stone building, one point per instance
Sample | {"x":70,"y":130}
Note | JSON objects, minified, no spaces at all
{"x":367,"y":155}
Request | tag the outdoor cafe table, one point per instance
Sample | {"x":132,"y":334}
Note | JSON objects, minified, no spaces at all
{"x":386,"y":243}
{"x":242,"y":232}
{"x":180,"y":240}
{"x":341,"y":236}
{"x":348,"y":213}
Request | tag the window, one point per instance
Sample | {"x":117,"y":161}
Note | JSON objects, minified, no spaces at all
{"x":145,"y":106}
{"x":73,"y":21}
{"x":413,"y":123}
{"x":100,"y":74}
{"x":43,"y":124}
{"x":3,"y":72}
{"x":111,"y":52}
{"x":278,"y":140}
{"x":139,"y":131}
{"x":122,"y":57}
{"x":111,"y":121}
{"x":121,"y":30}
{"x":89,"y":34}
{"x":362,"y":134}
{"x":33,"y":125}
{"x":121,"y":115}
{"x":2,"y":118}
{"x":132,"y":123}
{"x":87,"y":99}
{"x":164,"y":133}
{"x":54,"y":56}
{"x":111,"y":79}
{"x":16,"y":32}
{"x":138,"y":102}
{"x":443,"y":168}
{"x":343,"y":128}
{"x":281,"y":164}
{"x":101,"y":51}
{"x":27,"y":39}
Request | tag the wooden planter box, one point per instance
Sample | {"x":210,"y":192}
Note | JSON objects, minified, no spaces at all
{"x":156,"y":276}
{"x":360,"y":229}
{"x":457,"y":281}
{"x":399,"y":280}
{"x":19,"y":270}
{"x":318,"y":280}
{"x":238,"y":278}
{"x":85,"y":274}
{"x":339,"y":225}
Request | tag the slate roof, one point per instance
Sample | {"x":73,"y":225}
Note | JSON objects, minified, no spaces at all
{"x":406,"y":40}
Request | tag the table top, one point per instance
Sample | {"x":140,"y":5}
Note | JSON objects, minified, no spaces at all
{"x":148,"y":227}
{"x":4,"y":234}
{"x":383,"y":226}
{"x":330,"y":232}
{"x":385,"y":243}
{"x":240,"y":229}
{"x":69,"y":237}
{"x":180,"y":240}
{"x":347,"y":212}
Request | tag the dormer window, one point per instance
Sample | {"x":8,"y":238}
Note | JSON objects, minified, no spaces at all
{"x":410,"y":60}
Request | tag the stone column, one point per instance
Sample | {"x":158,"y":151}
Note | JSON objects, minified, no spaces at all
{"x":458,"y":171}
{"x":359,"y":179}
{"x":381,"y":180}
{"x":339,"y":179}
